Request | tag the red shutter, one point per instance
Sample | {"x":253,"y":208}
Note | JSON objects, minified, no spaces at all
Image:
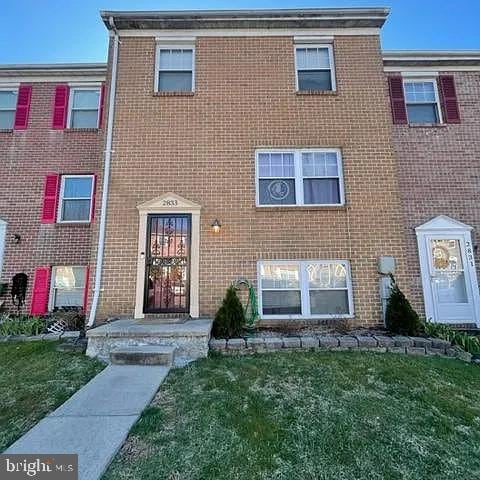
{"x":94,"y":192}
{"x":23,"y":107}
{"x":397,"y":99}
{"x":449,"y":99}
{"x":85,"y":293}
{"x":60,"y":107}
{"x":102,"y":106}
{"x":50,"y":198}
{"x":41,"y":283}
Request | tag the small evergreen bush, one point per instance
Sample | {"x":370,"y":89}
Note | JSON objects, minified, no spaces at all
{"x":230,"y":318}
{"x":400,"y":316}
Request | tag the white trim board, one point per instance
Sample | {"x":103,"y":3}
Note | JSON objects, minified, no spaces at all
{"x":3,"y":238}
{"x":432,"y":68}
{"x":249,"y":32}
{"x":50,"y":79}
{"x":169,"y":203}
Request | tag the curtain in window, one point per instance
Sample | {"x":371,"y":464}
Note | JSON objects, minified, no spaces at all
{"x":321,"y":191}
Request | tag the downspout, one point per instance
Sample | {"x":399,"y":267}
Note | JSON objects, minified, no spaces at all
{"x":106,"y":178}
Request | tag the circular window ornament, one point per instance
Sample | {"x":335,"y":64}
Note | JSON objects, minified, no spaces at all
{"x":278,"y":189}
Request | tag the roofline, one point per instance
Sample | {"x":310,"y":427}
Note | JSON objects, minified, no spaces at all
{"x":431,"y":54}
{"x":447,"y":59}
{"x":248,"y":18}
{"x":53,"y":67}
{"x":52,"y":72}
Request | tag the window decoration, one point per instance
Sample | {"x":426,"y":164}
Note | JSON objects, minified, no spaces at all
{"x":305,"y":289}
{"x":299,"y":177}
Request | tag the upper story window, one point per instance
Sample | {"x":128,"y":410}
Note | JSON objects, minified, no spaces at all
{"x":314,"y":67}
{"x":8,"y":106}
{"x":299,"y":177}
{"x":84,"y":107}
{"x":175,"y":68}
{"x":75,"y":203}
{"x":422,"y":101}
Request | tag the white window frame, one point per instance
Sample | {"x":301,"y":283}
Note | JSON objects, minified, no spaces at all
{"x":3,"y":240}
{"x":327,"y":46}
{"x":71,"y":94}
{"x":10,"y":89}
{"x":304,"y":290}
{"x":437,"y":96}
{"x":51,"y":295}
{"x":299,"y":195}
{"x":61,"y":199}
{"x":173,"y":46}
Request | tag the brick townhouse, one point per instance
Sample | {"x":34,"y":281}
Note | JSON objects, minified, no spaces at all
{"x":270,"y":123}
{"x":256,"y":144}
{"x":50,"y":154}
{"x":436,"y":135}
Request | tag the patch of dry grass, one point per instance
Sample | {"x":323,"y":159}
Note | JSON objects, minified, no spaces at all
{"x":301,"y":416}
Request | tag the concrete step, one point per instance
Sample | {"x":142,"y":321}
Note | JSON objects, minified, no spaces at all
{"x":190,"y":338}
{"x":143,"y":355}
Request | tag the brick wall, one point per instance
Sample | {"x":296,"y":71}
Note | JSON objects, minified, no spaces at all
{"x":25,"y":158}
{"x":438,"y":171}
{"x":202,"y":148}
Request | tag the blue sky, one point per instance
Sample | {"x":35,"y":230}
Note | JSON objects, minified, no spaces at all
{"x":34,"y":31}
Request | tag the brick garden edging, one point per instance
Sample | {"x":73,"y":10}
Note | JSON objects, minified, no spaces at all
{"x":376,"y":343}
{"x":43,"y":336}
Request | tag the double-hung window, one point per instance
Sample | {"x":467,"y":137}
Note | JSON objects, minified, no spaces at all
{"x":67,"y":287}
{"x":76,"y":194}
{"x":299,"y":177}
{"x":84,"y":107}
{"x":422,"y":101}
{"x":314,"y":67}
{"x":8,"y":106}
{"x":305,"y":289}
{"x":175,"y":68}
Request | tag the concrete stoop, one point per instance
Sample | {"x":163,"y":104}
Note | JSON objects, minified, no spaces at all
{"x":143,"y":355}
{"x":125,"y":340}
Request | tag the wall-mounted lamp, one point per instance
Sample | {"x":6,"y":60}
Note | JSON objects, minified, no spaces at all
{"x":16,"y":238}
{"x":216,"y":225}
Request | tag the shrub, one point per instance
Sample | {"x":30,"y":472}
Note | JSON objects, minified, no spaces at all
{"x":21,"y":325}
{"x":230,"y":318}
{"x":400,"y":316}
{"x":470,"y":343}
{"x":72,"y":319}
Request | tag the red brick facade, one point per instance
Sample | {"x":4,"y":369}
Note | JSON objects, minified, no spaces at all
{"x":438,"y":170}
{"x":26,"y":156}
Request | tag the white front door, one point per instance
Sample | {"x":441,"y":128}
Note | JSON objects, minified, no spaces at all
{"x":448,"y":275}
{"x":449,"y":280}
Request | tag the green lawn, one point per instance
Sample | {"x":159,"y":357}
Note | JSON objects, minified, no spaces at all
{"x":34,"y":380}
{"x":300,"y":416}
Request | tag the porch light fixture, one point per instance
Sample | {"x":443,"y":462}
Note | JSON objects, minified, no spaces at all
{"x":216,"y":225}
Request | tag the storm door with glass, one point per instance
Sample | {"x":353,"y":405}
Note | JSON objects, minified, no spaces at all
{"x":167,"y":264}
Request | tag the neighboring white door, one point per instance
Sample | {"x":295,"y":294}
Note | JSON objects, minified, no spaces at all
{"x":3,"y":231}
{"x":449,"y":278}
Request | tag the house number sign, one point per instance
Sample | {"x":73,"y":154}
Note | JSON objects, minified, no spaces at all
{"x":169,"y":202}
{"x":469,"y":252}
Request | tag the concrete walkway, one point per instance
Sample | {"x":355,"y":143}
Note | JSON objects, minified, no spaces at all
{"x":96,"y":420}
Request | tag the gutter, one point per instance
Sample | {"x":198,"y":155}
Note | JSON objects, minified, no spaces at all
{"x":106,"y":178}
